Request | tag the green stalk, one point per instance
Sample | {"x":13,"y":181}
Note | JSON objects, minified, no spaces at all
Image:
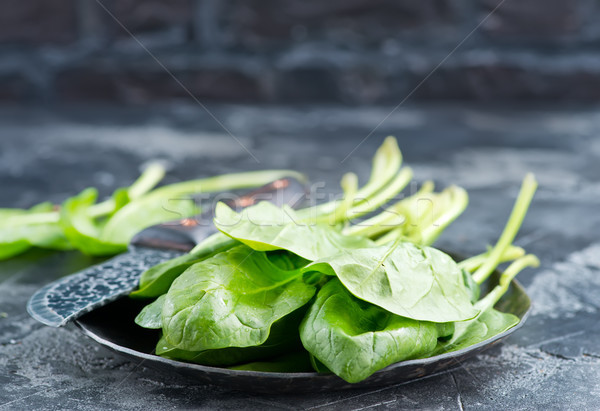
{"x":349,"y":185}
{"x":386,"y":164}
{"x":473,"y":263}
{"x":223,"y":182}
{"x":390,"y":218}
{"x":510,"y":231}
{"x":149,"y":178}
{"x":35,"y":218}
{"x":392,"y":235}
{"x":216,"y":242}
{"x":458,"y":202}
{"x":383,"y":196}
{"x":507,"y":276}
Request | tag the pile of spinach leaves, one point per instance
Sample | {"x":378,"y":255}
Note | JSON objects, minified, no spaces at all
{"x":291,"y":291}
{"x":105,"y":228}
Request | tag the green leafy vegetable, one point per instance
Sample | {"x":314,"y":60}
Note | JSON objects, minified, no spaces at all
{"x":22,"y":229}
{"x":421,"y":283}
{"x":489,"y":322}
{"x":82,"y":230}
{"x":266,"y":227}
{"x":106,"y":228}
{"x":174,"y":201}
{"x":383,"y":294}
{"x":151,"y":315}
{"x":156,"y":280}
{"x":283,"y":338}
{"x":230,"y":300}
{"x":354,"y":339}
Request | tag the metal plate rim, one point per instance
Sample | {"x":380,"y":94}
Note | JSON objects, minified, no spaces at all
{"x":276,"y":376}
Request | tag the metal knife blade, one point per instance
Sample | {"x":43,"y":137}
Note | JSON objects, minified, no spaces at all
{"x":70,"y":297}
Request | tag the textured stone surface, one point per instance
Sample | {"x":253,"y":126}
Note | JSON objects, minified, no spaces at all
{"x":142,"y":16}
{"x":353,"y":51}
{"x":355,"y":23}
{"x":532,"y":18}
{"x":38,"y":21}
{"x":552,"y":362}
{"x":134,"y":86}
{"x":15,"y":87}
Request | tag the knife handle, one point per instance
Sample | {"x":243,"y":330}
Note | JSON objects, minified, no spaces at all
{"x":186,"y":233}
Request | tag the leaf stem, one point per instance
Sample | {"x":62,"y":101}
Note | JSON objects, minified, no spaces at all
{"x":507,"y":276}
{"x":33,"y":218}
{"x":386,"y":164}
{"x":383,"y":196}
{"x":149,"y":178}
{"x":390,"y":218}
{"x":349,"y":185}
{"x":510,"y":230}
{"x":473,"y":263}
{"x":459,"y":200}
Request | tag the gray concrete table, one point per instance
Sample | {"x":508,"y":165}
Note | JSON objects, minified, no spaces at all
{"x":552,"y":362}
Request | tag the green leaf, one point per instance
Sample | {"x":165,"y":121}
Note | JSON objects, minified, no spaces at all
{"x":144,"y":212}
{"x":416,"y":282}
{"x":172,"y":202}
{"x":22,"y":229}
{"x":10,"y":248}
{"x":471,"y":286}
{"x":286,"y":260}
{"x":82,"y":230}
{"x":151,"y":315}
{"x":318,"y":366}
{"x":487,"y":325}
{"x":230,"y":300}
{"x":156,"y":280}
{"x":354,"y":339}
{"x":283,"y":338}
{"x":266,"y":227}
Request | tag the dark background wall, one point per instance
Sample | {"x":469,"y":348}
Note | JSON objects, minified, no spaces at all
{"x":348,"y":51}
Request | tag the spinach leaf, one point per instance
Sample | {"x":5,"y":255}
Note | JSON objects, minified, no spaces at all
{"x":9,"y":247}
{"x":416,"y":282}
{"x":286,"y":260}
{"x":174,"y":201}
{"x":467,"y":333}
{"x":283,"y":338}
{"x":22,"y":229}
{"x":84,"y":231}
{"x":354,"y":339}
{"x":266,"y":227}
{"x":151,"y":315}
{"x":471,"y":286}
{"x":156,"y":280}
{"x":318,"y":366}
{"x":230,"y":300}
{"x":144,"y":212}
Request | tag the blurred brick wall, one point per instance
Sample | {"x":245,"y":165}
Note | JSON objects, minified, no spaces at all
{"x":349,"y":51}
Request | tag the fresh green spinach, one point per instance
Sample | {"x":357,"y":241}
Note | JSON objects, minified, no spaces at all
{"x":354,"y":339}
{"x":371,"y":293}
{"x":230,"y":300}
{"x":266,"y":227}
{"x":416,"y":282}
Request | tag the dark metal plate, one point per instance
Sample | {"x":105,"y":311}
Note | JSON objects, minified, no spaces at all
{"x":113,"y":327}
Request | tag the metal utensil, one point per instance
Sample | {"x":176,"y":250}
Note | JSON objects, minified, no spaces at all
{"x":70,"y":297}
